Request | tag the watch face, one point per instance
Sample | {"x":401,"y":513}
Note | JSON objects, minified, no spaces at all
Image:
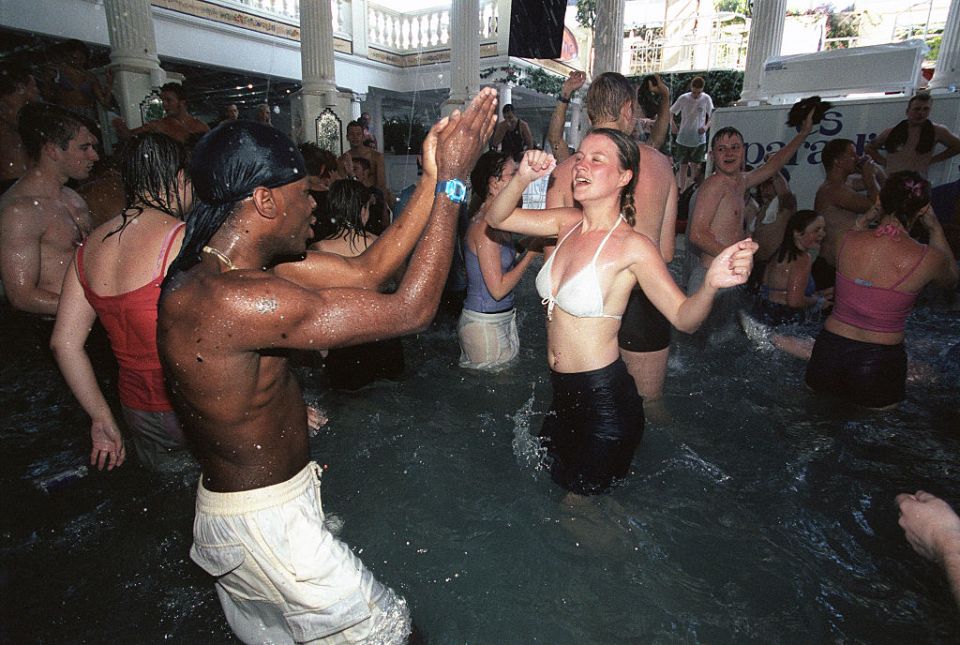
{"x":455,"y":189}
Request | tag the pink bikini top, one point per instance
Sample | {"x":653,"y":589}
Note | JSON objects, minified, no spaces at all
{"x":881,"y":309}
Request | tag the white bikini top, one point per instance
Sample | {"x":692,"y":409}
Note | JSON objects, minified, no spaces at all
{"x":581,"y":295}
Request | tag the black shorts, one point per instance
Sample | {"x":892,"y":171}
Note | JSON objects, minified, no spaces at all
{"x":594,"y":426}
{"x":868,"y":374}
{"x":824,"y":274}
{"x":643,"y":328}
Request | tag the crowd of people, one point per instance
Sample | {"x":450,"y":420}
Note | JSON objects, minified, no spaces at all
{"x":229,"y":248}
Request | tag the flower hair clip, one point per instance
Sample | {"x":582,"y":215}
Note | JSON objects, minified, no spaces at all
{"x":915,"y":187}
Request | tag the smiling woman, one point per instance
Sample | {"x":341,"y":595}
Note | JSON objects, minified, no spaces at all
{"x":596,"y":419}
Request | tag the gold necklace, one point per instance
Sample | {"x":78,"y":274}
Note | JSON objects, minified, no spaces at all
{"x":220,"y":256}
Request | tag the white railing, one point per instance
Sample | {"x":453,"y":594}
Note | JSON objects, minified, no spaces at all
{"x":725,"y":47}
{"x":388,"y":29}
{"x":429,"y":28}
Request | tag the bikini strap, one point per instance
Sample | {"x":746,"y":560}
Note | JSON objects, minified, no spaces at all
{"x":913,"y":268}
{"x":78,"y":262}
{"x":165,"y":249}
{"x":564,"y":238}
{"x":606,"y":237}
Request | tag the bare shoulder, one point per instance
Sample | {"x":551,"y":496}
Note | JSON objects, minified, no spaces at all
{"x":942,"y":133}
{"x":637,"y":246}
{"x":650,"y":155}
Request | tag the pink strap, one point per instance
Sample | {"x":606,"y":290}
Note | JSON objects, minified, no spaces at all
{"x":165,"y":249}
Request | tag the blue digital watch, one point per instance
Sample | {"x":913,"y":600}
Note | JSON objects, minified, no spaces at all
{"x":454,"y":189}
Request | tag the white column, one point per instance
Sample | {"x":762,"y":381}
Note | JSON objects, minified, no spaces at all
{"x":133,"y":55}
{"x":358,"y":20}
{"x":319,"y":89}
{"x":464,"y":54}
{"x":316,"y":46}
{"x":948,"y":61}
{"x":503,"y":26}
{"x":355,"y":110}
{"x":766,"y":39}
{"x":608,"y":37}
{"x":504,"y":94}
{"x":577,"y":125}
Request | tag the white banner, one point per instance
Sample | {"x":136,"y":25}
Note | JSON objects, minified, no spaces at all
{"x":765,"y":131}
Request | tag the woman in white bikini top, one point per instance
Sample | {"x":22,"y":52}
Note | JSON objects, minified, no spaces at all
{"x":586,"y":283}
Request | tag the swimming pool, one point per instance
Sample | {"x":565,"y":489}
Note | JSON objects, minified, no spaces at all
{"x":760,"y":514}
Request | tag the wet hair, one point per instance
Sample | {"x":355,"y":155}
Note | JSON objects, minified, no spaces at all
{"x":150,"y":164}
{"x":355,"y":124}
{"x":489,"y":165}
{"x":345,"y":201}
{"x":903,"y":194}
{"x":696,"y":83}
{"x":320,"y":162}
{"x":628,"y":155}
{"x":832,"y":151}
{"x":228,"y":164}
{"x":797,"y":223}
{"x":728,"y":131}
{"x":176,"y":89}
{"x":508,"y":107}
{"x":898,"y":135}
{"x":922,"y":96}
{"x":362,"y":162}
{"x":606,"y":96}
{"x":13,"y":77}
{"x":41,"y":123}
{"x":648,"y":101}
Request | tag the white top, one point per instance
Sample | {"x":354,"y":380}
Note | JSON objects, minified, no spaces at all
{"x":693,"y":116}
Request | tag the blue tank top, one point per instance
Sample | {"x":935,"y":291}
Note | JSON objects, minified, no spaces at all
{"x":478,"y":296}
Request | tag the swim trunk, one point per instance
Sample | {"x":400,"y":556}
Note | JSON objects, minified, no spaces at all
{"x":593,"y":428}
{"x":487,"y":341}
{"x":351,"y":368}
{"x":687,"y":154}
{"x":157,"y":438}
{"x":643,"y":328}
{"x":868,"y":374}
{"x":282,"y":577}
{"x":776,"y":313}
{"x":824,"y":274}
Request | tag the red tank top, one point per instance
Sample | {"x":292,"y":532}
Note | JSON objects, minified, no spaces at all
{"x":131,"y":322}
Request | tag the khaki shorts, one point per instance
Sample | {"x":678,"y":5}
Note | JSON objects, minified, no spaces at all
{"x":282,"y":577}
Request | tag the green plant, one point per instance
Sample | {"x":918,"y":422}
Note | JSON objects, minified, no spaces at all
{"x":724,"y":86}
{"x":743,"y":7}
{"x":586,"y":13}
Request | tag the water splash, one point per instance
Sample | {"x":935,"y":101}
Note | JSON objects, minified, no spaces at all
{"x":526,"y":446}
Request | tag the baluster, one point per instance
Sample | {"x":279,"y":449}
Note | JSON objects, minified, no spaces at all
{"x":405,"y":33}
{"x":444,"y":27}
{"x":434,"y":28}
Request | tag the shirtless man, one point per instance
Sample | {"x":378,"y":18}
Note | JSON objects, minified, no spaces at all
{"x":719,"y":218}
{"x":910,"y":144}
{"x":178,"y":122}
{"x":282,"y":576}
{"x":377,"y":177}
{"x":41,"y":220}
{"x":17,"y":88}
{"x":512,"y":134}
{"x":644,"y":336}
{"x":840,"y":204}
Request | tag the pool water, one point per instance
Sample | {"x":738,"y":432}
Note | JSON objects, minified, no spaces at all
{"x":758,"y":514}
